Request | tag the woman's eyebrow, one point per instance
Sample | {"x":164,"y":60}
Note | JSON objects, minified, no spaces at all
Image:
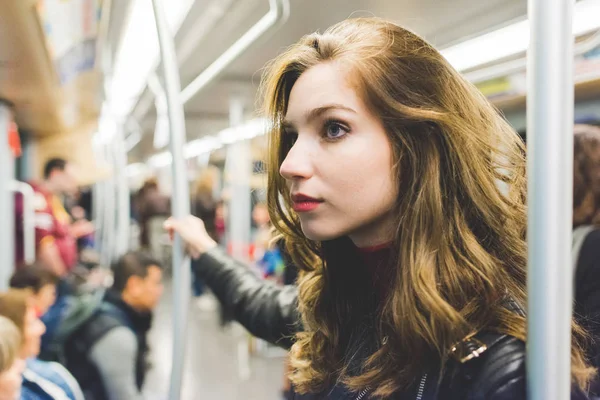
{"x":317,"y":112}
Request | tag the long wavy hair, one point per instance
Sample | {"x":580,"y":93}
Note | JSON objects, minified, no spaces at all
{"x":459,"y":251}
{"x":586,"y":175}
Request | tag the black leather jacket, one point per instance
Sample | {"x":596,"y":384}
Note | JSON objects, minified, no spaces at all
{"x":270,"y":312}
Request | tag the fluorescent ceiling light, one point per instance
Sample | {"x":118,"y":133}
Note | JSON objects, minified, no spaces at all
{"x":160,"y":160}
{"x":138,"y":54}
{"x":514,"y":39}
{"x":135,"y":169}
{"x":253,"y":128}
{"x":195,"y":148}
{"x":201,"y":146}
{"x":107,"y":127}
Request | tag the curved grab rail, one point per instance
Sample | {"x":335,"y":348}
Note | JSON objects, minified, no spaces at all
{"x":28,"y":218}
{"x":279,"y":11}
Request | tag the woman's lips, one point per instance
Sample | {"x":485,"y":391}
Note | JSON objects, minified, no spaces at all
{"x":304,"y":203}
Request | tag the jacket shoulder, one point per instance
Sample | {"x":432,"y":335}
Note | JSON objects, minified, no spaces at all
{"x":497,"y":372}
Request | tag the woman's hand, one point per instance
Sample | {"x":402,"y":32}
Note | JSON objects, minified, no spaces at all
{"x":193,"y":233}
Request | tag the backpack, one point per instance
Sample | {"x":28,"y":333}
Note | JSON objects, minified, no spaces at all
{"x":70,"y":343}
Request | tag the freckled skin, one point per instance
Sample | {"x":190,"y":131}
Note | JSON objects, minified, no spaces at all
{"x":352,"y":174}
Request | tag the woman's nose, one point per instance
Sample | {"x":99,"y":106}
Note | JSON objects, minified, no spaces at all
{"x":297,"y":163}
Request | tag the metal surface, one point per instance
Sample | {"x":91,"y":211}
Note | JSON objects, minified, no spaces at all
{"x":122,"y":187}
{"x":181,"y":197}
{"x":279,"y":11}
{"x":550,"y":172}
{"x":238,"y":172}
{"x":110,"y":211}
{"x":28,"y":218}
{"x":7,"y":248}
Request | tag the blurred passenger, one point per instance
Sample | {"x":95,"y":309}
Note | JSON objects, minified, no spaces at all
{"x":586,"y":233}
{"x":153,"y":208}
{"x":261,"y":235}
{"x":41,"y":380}
{"x":40,"y":281}
{"x":108,"y":353}
{"x":204,"y":207}
{"x":383,"y":173}
{"x":11,"y":364}
{"x":220,"y":217}
{"x":55,"y":235}
{"x":43,"y":285}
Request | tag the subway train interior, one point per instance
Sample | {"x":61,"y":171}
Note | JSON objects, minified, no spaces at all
{"x":118,"y":117}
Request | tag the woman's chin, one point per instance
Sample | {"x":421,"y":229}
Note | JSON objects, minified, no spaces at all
{"x":319,"y":235}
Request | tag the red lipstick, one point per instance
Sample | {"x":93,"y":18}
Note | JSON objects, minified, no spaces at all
{"x":304,"y":203}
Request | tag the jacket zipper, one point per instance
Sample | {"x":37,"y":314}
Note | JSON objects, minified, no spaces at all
{"x":363,"y":393}
{"x":420,"y":393}
{"x":421,"y":387}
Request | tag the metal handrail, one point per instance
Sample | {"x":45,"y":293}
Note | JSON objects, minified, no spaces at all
{"x":279,"y":11}
{"x":28,"y":218}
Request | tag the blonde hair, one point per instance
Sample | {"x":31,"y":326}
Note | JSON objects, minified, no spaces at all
{"x":459,"y":252}
{"x":10,"y":343}
{"x":205,"y":183}
{"x":14,"y":304}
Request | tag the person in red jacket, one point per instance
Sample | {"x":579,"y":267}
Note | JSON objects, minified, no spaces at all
{"x":55,"y":234}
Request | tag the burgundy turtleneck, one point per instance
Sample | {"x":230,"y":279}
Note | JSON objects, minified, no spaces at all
{"x":376,"y":259}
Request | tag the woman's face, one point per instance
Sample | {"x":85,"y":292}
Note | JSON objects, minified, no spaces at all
{"x":32,"y":335}
{"x":10,"y":381}
{"x":339,"y":170}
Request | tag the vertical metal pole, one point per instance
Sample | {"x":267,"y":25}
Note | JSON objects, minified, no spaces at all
{"x":550,"y":171}
{"x":109,"y":225}
{"x":98,"y":211}
{"x":123,"y":209}
{"x":7,"y":233}
{"x":180,"y":199}
{"x":239,"y":171}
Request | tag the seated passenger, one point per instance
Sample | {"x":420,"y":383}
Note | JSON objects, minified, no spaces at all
{"x":41,"y":281}
{"x":383,"y":180}
{"x":11,"y":364}
{"x":41,"y":380}
{"x":114,"y":365}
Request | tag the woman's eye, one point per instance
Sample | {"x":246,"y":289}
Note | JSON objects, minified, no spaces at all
{"x":334,"y":130}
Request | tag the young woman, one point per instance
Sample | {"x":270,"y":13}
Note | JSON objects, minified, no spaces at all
{"x":11,"y":366}
{"x":399,"y":191}
{"x":41,"y":380}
